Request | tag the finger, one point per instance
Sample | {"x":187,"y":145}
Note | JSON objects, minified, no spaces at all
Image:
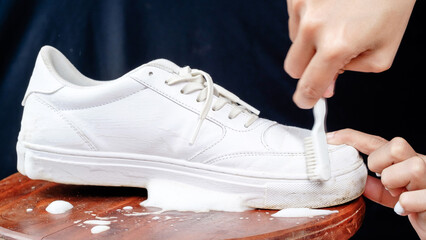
{"x":298,"y":56}
{"x":400,"y":210}
{"x":395,"y":192}
{"x":413,"y":201}
{"x":409,"y":174}
{"x":375,"y":191}
{"x":330,"y":90}
{"x":289,"y":7}
{"x":292,"y":28}
{"x":316,"y":78}
{"x":376,"y":61}
{"x":295,"y":12}
{"x":396,"y":150}
{"x":293,"y":20}
{"x":363,"y":142}
{"x":418,"y":220}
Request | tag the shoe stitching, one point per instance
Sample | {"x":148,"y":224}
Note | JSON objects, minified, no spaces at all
{"x":253,"y":154}
{"x":76,"y":130}
{"x":211,"y":146}
{"x":205,"y":150}
{"x":261,"y":154}
{"x":162,"y":67}
{"x":265,"y":144}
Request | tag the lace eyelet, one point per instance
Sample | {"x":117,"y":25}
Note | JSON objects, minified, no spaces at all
{"x":181,"y":91}
{"x":197,"y":100}
{"x":150,"y":73}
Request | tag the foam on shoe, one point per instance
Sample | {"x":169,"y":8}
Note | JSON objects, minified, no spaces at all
{"x":171,"y":195}
{"x":58,"y":207}
{"x":302,"y":212}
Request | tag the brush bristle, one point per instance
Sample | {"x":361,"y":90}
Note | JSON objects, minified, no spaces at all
{"x":311,"y":161}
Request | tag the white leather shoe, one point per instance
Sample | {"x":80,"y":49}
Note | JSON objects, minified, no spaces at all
{"x":161,"y":121}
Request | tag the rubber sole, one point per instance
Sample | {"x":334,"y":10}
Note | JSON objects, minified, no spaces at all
{"x":113,"y":169}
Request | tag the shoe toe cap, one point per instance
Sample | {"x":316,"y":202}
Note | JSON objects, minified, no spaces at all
{"x":343,"y":158}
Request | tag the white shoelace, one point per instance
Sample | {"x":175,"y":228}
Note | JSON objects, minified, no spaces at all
{"x":198,"y":80}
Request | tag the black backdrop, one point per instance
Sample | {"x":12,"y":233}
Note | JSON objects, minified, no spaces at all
{"x":241,"y":43}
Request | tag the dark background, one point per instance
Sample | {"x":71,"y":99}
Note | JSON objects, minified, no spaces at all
{"x":241,"y":43}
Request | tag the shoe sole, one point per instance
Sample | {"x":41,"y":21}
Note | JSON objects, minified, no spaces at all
{"x":134,"y":170}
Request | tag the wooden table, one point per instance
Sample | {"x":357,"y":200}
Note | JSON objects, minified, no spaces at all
{"x":23,"y":216}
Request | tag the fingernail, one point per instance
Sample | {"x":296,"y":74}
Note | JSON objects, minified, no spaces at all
{"x":378,"y":174}
{"x":330,"y":135}
{"x":329,"y":92}
{"x":398,"y":209}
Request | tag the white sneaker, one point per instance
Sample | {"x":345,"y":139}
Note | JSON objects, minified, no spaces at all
{"x":161,"y":121}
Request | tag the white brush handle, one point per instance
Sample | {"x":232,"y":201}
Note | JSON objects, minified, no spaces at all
{"x":320,"y":141}
{"x":320,"y":109}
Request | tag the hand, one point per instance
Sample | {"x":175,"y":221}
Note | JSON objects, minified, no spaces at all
{"x":331,"y":36}
{"x":403,"y":174}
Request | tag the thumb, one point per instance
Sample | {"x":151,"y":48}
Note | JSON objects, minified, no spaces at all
{"x":375,"y":191}
{"x":315,"y":80}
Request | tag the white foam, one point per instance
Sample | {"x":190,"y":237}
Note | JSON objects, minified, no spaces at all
{"x":59,"y":206}
{"x":302,"y":212}
{"x":29,"y":209}
{"x":99,"y":229}
{"x":139,"y":213}
{"x":127,"y":208}
{"x":97,"y":222}
{"x":170,"y":195}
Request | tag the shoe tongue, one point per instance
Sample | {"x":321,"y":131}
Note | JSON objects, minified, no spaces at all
{"x":165,"y":65}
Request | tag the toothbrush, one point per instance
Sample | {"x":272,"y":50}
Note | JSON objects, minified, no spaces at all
{"x":316,"y":148}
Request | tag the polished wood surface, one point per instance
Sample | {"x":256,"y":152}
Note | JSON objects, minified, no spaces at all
{"x":23,"y":216}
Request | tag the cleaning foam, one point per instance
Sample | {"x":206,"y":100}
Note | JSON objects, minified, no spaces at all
{"x":171,"y":195}
{"x":99,"y":229}
{"x":302,"y":212}
{"x":97,"y":222}
{"x":58,"y":207}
